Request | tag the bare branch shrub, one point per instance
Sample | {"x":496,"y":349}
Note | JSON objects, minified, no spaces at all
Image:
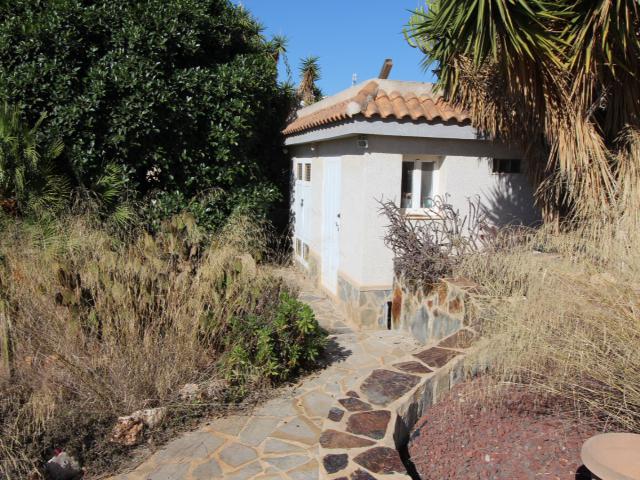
{"x":427,"y":247}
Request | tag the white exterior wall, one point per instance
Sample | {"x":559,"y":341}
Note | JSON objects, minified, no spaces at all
{"x":383,"y":181}
{"x":352,"y":210}
{"x":352,"y":197}
{"x":375,"y":173}
{"x":507,"y":198}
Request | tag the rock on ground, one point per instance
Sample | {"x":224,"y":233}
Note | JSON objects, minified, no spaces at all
{"x":63,"y":466}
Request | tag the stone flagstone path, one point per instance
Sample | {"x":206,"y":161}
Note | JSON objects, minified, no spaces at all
{"x":301,"y":435}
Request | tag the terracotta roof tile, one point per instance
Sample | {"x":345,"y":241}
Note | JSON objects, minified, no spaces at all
{"x":379,"y":98}
{"x":400,"y":109}
{"x":430,"y":109}
{"x":384,"y":104}
{"x":413,"y":104}
{"x":372,"y":109}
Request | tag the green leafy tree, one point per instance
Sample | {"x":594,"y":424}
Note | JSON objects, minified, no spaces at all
{"x":182,"y":94}
{"x":558,"y":78}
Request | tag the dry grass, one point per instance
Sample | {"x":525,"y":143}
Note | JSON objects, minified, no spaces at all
{"x":561,"y":316}
{"x":100,"y":326}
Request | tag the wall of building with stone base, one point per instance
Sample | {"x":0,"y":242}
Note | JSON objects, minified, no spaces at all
{"x":428,"y":314}
{"x":375,"y":173}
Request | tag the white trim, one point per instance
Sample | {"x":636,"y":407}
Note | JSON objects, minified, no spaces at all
{"x":416,"y":185}
{"x":392,"y":128}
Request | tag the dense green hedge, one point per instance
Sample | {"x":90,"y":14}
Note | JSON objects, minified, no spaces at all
{"x":183,"y":93}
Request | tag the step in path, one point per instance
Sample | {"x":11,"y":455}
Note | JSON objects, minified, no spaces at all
{"x":340,"y":423}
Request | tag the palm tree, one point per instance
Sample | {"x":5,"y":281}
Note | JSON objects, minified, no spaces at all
{"x":27,"y":178}
{"x":308,"y":92}
{"x":278,"y":46}
{"x":557,"y":77}
{"x":32,"y":183}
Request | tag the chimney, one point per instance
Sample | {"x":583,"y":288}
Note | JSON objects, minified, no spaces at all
{"x":386,"y":69}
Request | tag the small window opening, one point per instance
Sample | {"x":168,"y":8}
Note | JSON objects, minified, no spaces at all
{"x":389,"y":310}
{"x":299,"y":171}
{"x":506,"y":165}
{"x":307,"y":172}
{"x":418,"y":184}
{"x":305,"y":252}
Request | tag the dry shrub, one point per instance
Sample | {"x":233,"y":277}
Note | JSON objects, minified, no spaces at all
{"x":427,"y":249}
{"x":98,"y":325}
{"x":561,"y":315}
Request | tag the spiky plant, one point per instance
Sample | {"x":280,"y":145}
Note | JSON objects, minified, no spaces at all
{"x":308,"y":92}
{"x":279,"y":45}
{"x":109,"y":193}
{"x":559,"y":78}
{"x":28,"y":178}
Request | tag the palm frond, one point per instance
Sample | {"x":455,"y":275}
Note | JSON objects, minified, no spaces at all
{"x":27,"y":173}
{"x":557,"y":78}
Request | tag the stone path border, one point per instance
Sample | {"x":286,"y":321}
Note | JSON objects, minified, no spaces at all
{"x":343,"y":422}
{"x":365,"y":429}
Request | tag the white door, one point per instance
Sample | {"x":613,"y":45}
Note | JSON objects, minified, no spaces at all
{"x":331,"y":223}
{"x":302,"y":207}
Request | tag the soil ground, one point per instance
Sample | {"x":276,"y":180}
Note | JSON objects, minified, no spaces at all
{"x":469,"y":436}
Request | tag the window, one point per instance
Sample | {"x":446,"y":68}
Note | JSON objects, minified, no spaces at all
{"x":303,"y":172}
{"x":418,"y":184}
{"x":301,"y":249}
{"x":506,"y":165}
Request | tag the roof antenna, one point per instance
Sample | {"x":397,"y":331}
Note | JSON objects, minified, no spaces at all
{"x":354,"y":79}
{"x":386,"y":69}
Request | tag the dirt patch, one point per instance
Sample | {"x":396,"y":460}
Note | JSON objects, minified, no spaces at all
{"x":469,"y":436}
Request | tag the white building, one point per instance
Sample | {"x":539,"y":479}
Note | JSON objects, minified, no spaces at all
{"x":389,"y":140}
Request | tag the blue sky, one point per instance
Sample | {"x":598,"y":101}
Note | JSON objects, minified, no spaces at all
{"x":349,"y":36}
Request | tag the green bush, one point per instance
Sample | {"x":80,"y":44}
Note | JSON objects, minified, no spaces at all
{"x":183,"y":94}
{"x":274,"y":345}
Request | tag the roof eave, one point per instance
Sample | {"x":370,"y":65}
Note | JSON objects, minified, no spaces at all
{"x":360,"y":125}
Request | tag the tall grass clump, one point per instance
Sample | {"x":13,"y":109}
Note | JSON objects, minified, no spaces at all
{"x":95,"y":325}
{"x":560,"y":312}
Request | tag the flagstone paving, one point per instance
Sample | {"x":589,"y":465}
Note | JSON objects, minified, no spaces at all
{"x":291,"y":437}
